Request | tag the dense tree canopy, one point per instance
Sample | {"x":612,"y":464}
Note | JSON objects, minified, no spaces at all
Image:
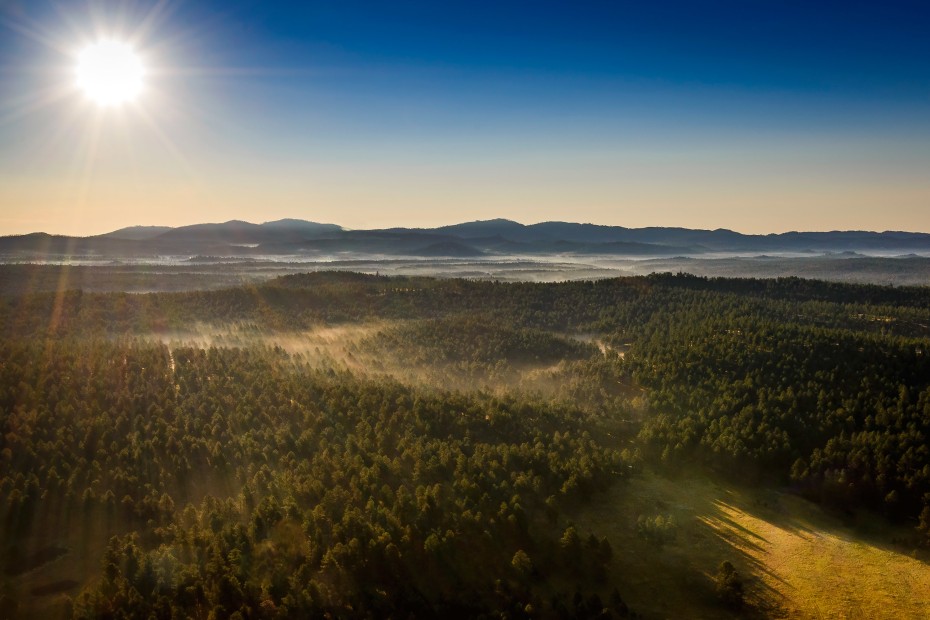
{"x":248,"y":479}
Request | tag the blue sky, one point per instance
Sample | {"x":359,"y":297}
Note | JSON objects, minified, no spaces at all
{"x":752,"y":115}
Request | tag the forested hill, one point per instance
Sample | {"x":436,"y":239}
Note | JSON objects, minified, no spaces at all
{"x":496,"y":237}
{"x":424,"y":463}
{"x":620,"y":305}
{"x":790,"y":372}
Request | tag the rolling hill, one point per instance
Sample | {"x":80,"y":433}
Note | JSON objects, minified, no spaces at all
{"x":497,"y":237}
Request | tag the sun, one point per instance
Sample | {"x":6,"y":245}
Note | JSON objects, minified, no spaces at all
{"x":110,"y":73}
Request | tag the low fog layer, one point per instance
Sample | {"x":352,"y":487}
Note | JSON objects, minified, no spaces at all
{"x":177,"y":274}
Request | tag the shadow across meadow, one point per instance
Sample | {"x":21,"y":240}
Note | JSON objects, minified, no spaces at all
{"x":794,"y":559}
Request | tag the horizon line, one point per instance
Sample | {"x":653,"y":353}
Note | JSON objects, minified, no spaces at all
{"x":460,"y":223}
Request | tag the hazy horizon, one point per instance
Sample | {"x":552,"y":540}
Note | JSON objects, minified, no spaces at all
{"x":452,"y":223}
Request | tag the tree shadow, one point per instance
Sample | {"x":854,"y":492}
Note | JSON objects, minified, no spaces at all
{"x":772,"y":538}
{"x":779,"y":507}
{"x":785,"y":521}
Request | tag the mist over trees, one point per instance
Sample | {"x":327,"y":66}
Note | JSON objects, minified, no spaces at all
{"x":216,"y":480}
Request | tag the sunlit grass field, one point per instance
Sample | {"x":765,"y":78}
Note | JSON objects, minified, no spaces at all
{"x":796,"y":560}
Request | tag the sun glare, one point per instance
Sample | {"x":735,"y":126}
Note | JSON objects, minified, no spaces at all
{"x":110,"y":73}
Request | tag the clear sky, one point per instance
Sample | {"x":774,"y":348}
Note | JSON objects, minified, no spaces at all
{"x":754,"y":115}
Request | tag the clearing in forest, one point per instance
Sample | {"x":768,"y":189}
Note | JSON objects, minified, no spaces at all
{"x":796,"y":560}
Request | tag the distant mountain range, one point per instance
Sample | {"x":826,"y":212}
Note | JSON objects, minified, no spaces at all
{"x":497,"y":237}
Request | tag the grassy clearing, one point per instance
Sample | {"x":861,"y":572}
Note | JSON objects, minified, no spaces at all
{"x":796,"y":560}
{"x":60,"y":556}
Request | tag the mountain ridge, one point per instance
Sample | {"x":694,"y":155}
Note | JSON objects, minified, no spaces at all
{"x":494,"y":237}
